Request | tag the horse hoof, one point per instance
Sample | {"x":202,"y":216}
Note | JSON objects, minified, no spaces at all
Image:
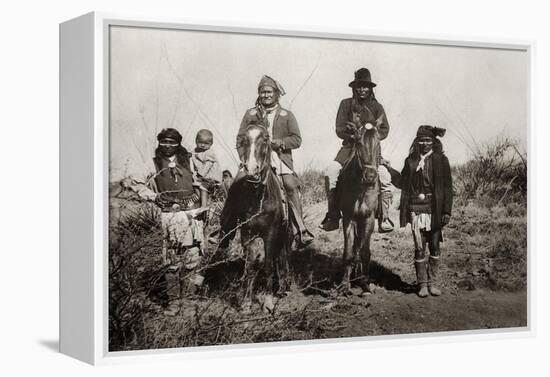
{"x":370,"y":289}
{"x":246,"y":307}
{"x":268,"y":305}
{"x":367,"y":293}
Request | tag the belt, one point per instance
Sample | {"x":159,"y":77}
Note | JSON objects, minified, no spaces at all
{"x":422,"y":198}
{"x":181,"y":205}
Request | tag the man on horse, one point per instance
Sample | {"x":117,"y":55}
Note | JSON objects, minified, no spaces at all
{"x":362,"y":109}
{"x":285,"y":136}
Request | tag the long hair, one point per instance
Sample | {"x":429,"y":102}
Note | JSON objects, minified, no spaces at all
{"x":371,"y":96}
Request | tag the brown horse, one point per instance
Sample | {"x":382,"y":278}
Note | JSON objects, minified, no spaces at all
{"x":254,"y":205}
{"x":358,"y":190}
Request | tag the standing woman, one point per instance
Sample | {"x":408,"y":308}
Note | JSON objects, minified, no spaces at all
{"x":426,"y":203}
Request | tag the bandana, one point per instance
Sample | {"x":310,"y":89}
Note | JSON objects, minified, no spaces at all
{"x":268,"y":81}
{"x":169,"y":133}
{"x":422,"y":161}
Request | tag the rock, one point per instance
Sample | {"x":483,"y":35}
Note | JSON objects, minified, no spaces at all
{"x":466,"y":284}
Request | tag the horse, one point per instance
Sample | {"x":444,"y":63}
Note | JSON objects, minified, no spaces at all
{"x":255,"y":206}
{"x":357,"y":193}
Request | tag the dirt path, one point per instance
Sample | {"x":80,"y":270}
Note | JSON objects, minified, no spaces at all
{"x":468,"y":301}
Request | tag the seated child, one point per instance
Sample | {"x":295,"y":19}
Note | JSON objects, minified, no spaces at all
{"x":206,"y":165}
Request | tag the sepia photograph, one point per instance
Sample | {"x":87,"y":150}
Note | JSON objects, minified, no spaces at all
{"x":268,"y":188}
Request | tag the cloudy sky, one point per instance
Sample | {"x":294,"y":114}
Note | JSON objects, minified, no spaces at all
{"x":191,"y":80}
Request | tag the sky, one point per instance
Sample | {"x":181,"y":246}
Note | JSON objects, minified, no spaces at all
{"x":191,"y":80}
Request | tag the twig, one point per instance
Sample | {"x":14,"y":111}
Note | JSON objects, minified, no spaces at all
{"x":305,"y":82}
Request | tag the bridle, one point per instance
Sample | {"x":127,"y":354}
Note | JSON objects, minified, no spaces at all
{"x":265,"y":164}
{"x":364,"y":166}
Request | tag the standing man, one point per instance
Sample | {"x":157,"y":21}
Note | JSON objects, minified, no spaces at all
{"x":359,"y":110}
{"x":426,"y":203}
{"x":285,"y":136}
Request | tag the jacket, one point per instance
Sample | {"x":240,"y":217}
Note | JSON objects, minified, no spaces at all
{"x":284,"y":128}
{"x":442,"y":201}
{"x":376,"y":115}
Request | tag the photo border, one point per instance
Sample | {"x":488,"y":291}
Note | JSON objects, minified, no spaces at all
{"x":103,"y":21}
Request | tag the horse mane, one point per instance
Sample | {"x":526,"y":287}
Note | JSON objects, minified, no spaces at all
{"x":353,"y":163}
{"x":351,"y":169}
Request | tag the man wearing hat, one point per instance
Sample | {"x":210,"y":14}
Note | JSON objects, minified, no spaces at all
{"x":359,"y":110}
{"x":426,"y":203}
{"x":285,"y":136}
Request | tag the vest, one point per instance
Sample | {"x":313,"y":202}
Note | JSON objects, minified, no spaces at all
{"x":176,"y":183}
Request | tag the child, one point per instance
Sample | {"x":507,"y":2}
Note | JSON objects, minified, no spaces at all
{"x":426,"y":203}
{"x":206,"y":165}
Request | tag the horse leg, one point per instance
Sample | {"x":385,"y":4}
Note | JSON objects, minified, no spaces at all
{"x":283,"y":270}
{"x":272,"y":247}
{"x":359,"y":239}
{"x":348,"y":254}
{"x":246,"y":240}
{"x":365,"y":231}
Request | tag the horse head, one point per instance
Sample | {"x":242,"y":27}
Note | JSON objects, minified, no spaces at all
{"x":367,"y":150}
{"x":257,"y":152}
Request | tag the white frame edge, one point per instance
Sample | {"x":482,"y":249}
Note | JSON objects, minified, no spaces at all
{"x":82,"y":274}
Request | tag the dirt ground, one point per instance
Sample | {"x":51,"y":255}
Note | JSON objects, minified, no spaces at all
{"x":476,"y":293}
{"x":483,"y":279}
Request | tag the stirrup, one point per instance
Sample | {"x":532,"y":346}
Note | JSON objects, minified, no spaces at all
{"x":381,"y":229}
{"x":300,"y":240}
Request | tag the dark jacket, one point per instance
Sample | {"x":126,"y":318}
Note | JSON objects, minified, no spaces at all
{"x":376,"y":115}
{"x":442,"y":202}
{"x":285,"y":128}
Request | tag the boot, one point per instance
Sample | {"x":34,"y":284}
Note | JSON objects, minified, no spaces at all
{"x":385,"y":225}
{"x":433,"y":270}
{"x":421,"y":277}
{"x":332,"y":218}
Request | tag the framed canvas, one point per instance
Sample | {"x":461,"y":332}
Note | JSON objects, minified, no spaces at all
{"x":233,"y":189}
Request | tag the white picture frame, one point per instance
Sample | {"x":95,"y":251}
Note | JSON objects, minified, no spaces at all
{"x":84,"y":169}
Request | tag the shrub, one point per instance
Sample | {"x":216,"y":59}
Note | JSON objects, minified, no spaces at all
{"x":312,"y":183}
{"x":134,"y":260}
{"x":497,"y":174}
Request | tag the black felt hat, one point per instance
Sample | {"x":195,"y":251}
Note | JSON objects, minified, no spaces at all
{"x":362,"y":78}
